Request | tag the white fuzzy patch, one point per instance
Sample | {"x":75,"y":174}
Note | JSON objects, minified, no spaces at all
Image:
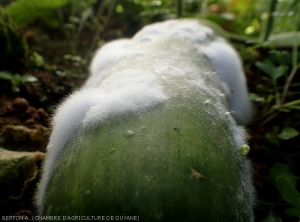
{"x":185,"y":29}
{"x":239,"y":134}
{"x":123,"y":92}
{"x":227,"y":64}
{"x":107,"y":57}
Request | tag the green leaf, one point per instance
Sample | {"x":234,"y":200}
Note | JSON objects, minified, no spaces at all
{"x":256,"y":98}
{"x":294,"y":4}
{"x":268,"y":67}
{"x":288,"y":133}
{"x":36,"y":60}
{"x":227,"y":16}
{"x":29,"y":78}
{"x":6,"y":75}
{"x":281,"y":109}
{"x":26,"y":11}
{"x":279,"y":72}
{"x":293,"y":212}
{"x":85,"y":15}
{"x":273,"y":139}
{"x":272,"y":217}
{"x":295,"y":107}
{"x":284,"y":170}
{"x":16,"y":79}
{"x":290,"y":194}
{"x":285,"y":39}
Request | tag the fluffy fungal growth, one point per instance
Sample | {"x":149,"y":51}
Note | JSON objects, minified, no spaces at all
{"x":151,"y":133}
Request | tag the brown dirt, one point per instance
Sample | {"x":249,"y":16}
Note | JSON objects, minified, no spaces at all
{"x":25,"y":125}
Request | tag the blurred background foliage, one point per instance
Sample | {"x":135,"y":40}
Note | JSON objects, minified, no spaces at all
{"x":249,"y":18}
{"x":61,"y":35}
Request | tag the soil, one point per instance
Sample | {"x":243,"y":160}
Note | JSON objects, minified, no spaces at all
{"x":25,"y":120}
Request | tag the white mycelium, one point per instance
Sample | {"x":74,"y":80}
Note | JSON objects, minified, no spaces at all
{"x":162,"y":61}
{"x":227,"y":64}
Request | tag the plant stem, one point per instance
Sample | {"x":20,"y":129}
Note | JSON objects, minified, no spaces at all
{"x":288,"y":82}
{"x":100,"y":10}
{"x":179,"y":8}
{"x":296,"y":66}
{"x":269,"y":25}
{"x":248,"y":41}
{"x":204,"y":9}
{"x":292,"y":103}
{"x":110,"y":14}
{"x":102,"y":28}
{"x":270,"y":203}
{"x":268,"y":117}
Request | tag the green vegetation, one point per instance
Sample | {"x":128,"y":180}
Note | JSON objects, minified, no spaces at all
{"x":60,"y":36}
{"x":13,"y":48}
{"x":26,"y":11}
{"x":16,"y":79}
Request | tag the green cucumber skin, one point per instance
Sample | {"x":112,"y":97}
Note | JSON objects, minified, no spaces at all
{"x":154,"y":173}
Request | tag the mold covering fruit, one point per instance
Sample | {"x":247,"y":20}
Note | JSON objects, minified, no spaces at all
{"x":151,"y":133}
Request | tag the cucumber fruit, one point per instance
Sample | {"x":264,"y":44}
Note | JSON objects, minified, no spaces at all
{"x":153,"y":137}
